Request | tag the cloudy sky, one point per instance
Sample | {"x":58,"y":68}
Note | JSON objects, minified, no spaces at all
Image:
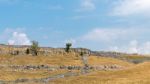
{"x":116,"y":25}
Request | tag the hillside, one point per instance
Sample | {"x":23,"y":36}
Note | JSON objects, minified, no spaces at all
{"x":25,"y":67}
{"x":54,"y":65}
{"x":138,"y":74}
{"x":49,"y":51}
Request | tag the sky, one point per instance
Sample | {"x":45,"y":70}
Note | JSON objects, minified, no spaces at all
{"x":109,"y":25}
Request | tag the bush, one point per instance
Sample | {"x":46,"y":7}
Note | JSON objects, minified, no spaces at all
{"x":68,"y":45}
{"x":34,"y":48}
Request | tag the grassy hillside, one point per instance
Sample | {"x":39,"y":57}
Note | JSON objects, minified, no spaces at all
{"x":138,"y":74}
{"x":95,"y":61}
{"x":67,"y":59}
{"x":27,"y":74}
{"x":7,"y":73}
{"x":135,"y":58}
{"x":129,"y":73}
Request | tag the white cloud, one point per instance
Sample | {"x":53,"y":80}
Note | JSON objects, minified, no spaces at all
{"x":7,"y":33}
{"x":132,"y":7}
{"x":119,"y":39}
{"x":133,"y":47}
{"x":19,"y":39}
{"x":87,"y":5}
{"x":100,"y":35}
{"x":109,"y":34}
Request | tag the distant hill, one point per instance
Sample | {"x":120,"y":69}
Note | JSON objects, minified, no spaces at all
{"x":4,"y":47}
{"x":134,"y":58}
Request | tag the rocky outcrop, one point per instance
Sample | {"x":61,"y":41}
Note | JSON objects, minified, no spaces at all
{"x":21,"y":50}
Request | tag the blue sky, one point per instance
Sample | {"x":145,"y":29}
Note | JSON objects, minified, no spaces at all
{"x":116,"y":25}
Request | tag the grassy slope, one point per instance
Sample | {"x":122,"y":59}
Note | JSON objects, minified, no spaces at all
{"x":68,"y":59}
{"x":27,"y":74}
{"x":94,"y":60}
{"x":135,"y":58}
{"x":9,"y":74}
{"x":138,"y":74}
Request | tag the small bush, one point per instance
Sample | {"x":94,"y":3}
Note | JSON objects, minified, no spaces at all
{"x":68,"y":45}
{"x":34,"y":48}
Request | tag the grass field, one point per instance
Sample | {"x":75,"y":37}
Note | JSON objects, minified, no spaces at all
{"x":130,"y":74}
{"x":9,"y":74}
{"x":94,"y":60}
{"x":135,"y":58}
{"x":67,"y":59}
{"x":139,"y":74}
{"x":27,"y":74}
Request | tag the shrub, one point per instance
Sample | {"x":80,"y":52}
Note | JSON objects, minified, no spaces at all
{"x":34,"y":48}
{"x":68,"y":45}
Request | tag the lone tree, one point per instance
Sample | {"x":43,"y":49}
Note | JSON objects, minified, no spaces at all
{"x":68,"y":45}
{"x":34,"y":48}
